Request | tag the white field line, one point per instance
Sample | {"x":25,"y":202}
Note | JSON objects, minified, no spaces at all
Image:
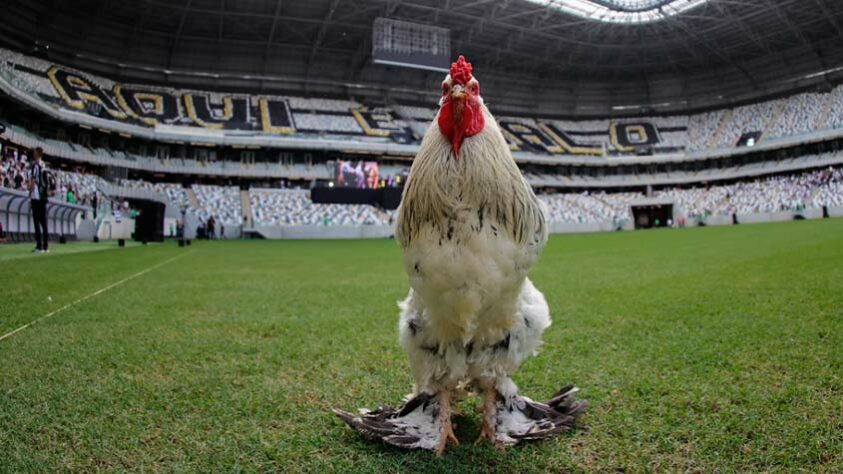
{"x":84,"y":298}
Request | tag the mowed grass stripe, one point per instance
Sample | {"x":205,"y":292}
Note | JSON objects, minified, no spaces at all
{"x":24,"y":250}
{"x":88,"y":296}
{"x":714,"y":349}
{"x":32,"y":287}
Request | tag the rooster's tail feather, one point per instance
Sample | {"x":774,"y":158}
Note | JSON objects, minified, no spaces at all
{"x":522,"y":419}
{"x":413,"y":425}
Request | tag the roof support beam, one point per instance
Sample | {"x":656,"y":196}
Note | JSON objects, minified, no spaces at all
{"x":271,"y":37}
{"x":796,"y":31}
{"x":138,"y":26}
{"x":830,"y":18}
{"x":323,"y":30}
{"x":221,"y":24}
{"x":177,"y":38}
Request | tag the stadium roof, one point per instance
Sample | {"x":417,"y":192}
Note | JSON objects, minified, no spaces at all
{"x":532,"y":56}
{"x":622,"y":11}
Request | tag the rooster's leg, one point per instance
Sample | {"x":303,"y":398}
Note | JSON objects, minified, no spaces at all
{"x":444,"y":420}
{"x":489,"y":408}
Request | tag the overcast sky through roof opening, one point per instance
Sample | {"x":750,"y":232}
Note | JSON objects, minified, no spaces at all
{"x":622,"y":11}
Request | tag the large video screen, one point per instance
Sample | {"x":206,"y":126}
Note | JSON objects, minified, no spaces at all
{"x":357,"y":174}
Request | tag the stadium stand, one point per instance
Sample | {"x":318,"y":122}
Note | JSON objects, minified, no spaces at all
{"x":294,"y":207}
{"x":801,"y":114}
{"x":215,"y":114}
{"x":221,"y":202}
{"x":764,"y":186}
{"x":326,"y":123}
{"x":796,"y":192}
{"x":174,"y":192}
{"x":829,"y":189}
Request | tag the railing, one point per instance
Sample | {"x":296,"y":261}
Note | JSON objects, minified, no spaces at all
{"x":16,"y":216}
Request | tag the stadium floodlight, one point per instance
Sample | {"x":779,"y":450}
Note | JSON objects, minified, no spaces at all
{"x":622,"y":11}
{"x":402,"y":43}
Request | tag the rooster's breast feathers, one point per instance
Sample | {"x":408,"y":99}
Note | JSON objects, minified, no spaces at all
{"x":470,"y":229}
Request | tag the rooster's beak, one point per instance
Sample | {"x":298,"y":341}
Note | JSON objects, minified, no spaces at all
{"x":458,"y":92}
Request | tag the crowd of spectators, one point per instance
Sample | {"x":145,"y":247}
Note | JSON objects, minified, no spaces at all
{"x":74,"y":187}
{"x":77,"y":187}
{"x":829,"y":185}
{"x":13,"y":169}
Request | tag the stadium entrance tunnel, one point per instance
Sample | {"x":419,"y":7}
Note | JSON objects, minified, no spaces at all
{"x":649,"y":216}
{"x":149,"y":222}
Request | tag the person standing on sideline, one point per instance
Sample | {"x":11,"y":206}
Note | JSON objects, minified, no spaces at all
{"x":38,"y":194}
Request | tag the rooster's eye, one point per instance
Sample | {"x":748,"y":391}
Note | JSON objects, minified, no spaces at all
{"x":475,"y":88}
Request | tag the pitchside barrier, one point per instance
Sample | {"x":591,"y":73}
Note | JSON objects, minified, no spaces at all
{"x":386,"y":231}
{"x":324,"y":231}
{"x":16,"y":216}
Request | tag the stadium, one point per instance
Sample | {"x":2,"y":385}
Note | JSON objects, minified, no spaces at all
{"x":227,"y":199}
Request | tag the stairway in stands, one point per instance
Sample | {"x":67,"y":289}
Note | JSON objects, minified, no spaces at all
{"x":778,"y":108}
{"x":602,"y":200}
{"x":586,"y":211}
{"x":721,"y":205}
{"x":810,"y":199}
{"x":246,"y":207}
{"x":727,"y":117}
{"x":822,"y":120}
{"x":192,"y":198}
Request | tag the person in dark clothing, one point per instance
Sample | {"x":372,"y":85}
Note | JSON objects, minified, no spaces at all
{"x":38,"y":194}
{"x":211,"y":228}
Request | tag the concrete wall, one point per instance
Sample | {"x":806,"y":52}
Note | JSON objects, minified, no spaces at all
{"x":385,"y":231}
{"x":110,"y":229}
{"x":325,"y":232}
{"x":86,"y":230}
{"x":835,"y":212}
{"x":710,"y":220}
{"x":381,"y":232}
{"x":231,"y":231}
{"x":570,"y":228}
{"x":812,"y":213}
{"x":765,"y":217}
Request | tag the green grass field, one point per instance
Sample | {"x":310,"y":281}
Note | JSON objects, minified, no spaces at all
{"x":710,"y":349}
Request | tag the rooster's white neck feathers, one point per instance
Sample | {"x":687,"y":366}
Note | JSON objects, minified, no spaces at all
{"x":440,"y":189}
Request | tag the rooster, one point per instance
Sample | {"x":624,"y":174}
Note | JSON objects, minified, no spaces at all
{"x":470,"y":228}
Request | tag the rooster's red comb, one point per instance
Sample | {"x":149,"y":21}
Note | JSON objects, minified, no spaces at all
{"x":461,"y":71}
